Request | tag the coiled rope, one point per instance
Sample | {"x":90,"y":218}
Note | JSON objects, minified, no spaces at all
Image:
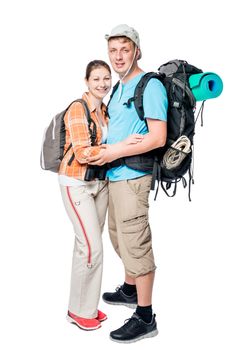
{"x":177,"y":152}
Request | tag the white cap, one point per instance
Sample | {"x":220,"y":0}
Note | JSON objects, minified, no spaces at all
{"x":125,"y":30}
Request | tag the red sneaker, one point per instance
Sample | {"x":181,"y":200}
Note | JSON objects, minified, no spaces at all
{"x":88,"y":324}
{"x":101,"y":316}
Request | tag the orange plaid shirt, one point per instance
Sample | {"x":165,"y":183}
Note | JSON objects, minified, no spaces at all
{"x":78,"y":134}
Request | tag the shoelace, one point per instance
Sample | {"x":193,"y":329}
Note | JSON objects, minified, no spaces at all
{"x":177,"y":152}
{"x":133,"y":318}
{"x":118,"y":288}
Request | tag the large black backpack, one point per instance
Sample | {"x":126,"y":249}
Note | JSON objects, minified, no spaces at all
{"x":170,"y":163}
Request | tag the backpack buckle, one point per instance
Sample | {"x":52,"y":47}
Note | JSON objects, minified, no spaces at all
{"x":176,"y":104}
{"x":129,"y":101}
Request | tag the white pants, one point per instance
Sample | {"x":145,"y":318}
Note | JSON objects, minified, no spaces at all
{"x":86,"y":207}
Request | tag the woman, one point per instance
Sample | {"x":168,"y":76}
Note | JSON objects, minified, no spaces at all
{"x":86,"y":201}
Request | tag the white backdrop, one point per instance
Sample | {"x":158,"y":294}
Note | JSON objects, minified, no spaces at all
{"x":45,"y":46}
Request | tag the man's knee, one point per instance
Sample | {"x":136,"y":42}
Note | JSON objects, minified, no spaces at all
{"x":137,"y":252}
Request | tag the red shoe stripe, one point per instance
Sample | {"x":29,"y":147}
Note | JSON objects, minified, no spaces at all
{"x":81,"y":224}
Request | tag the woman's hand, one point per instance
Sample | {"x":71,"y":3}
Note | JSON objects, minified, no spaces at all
{"x":107,"y":154}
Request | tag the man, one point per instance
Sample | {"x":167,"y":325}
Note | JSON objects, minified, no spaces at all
{"x":129,"y":189}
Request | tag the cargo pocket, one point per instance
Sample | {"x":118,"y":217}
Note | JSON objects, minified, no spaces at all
{"x":140,"y":188}
{"x":135,"y":224}
{"x":136,"y":235}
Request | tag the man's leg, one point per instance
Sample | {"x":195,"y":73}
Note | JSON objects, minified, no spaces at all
{"x":129,"y":279}
{"x":144,"y":285}
{"x":112,"y":222}
{"x":144,"y":292}
{"x":129,"y":286}
{"x":125,"y":294}
{"x":135,"y":245}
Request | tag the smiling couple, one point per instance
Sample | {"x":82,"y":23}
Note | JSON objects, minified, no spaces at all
{"x":123,"y":190}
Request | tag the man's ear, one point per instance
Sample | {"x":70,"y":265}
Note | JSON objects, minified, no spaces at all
{"x":138,"y":53}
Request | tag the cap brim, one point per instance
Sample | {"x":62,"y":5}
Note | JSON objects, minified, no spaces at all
{"x":107,"y":36}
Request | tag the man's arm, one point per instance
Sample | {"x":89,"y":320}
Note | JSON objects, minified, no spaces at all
{"x":155,"y":138}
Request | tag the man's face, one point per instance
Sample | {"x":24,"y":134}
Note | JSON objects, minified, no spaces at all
{"x":121,"y":53}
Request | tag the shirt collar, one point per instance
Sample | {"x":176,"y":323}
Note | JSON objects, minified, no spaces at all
{"x":91,"y":106}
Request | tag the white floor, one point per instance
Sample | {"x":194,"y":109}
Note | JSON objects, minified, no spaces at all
{"x":46,"y":46}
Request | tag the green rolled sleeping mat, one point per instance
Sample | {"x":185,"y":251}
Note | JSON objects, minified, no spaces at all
{"x":205,"y":85}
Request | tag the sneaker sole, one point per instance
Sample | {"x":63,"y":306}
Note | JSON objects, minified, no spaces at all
{"x":71,"y":320}
{"x":144,"y":336}
{"x":131,"y":306}
{"x":102,"y":319}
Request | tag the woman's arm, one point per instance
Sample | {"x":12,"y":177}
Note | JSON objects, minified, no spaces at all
{"x":77,"y":126}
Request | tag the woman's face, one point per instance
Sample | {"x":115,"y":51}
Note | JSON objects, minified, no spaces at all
{"x":99,"y":82}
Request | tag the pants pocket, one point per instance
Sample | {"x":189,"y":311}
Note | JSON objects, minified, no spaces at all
{"x":136,"y":236}
{"x":134,"y":224}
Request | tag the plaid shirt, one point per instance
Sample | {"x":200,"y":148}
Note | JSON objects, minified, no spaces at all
{"x":78,"y":134}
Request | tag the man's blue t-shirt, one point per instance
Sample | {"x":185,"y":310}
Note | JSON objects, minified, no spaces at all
{"x":124,"y":121}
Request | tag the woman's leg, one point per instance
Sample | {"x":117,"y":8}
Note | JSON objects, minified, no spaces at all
{"x":101,"y":202}
{"x":87,"y":256}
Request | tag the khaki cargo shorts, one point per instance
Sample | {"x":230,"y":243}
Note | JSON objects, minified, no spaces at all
{"x":129,"y":227}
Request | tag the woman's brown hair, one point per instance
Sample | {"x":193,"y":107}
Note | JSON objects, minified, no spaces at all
{"x":96,"y":64}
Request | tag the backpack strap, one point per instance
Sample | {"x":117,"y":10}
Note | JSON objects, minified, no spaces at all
{"x":115,"y":87}
{"x":65,"y":111}
{"x":138,"y":104}
{"x":168,"y":185}
{"x":93,"y":133}
{"x":139,"y":92}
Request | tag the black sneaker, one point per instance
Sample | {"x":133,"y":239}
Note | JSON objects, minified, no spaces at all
{"x":135,"y":329}
{"x":119,"y":298}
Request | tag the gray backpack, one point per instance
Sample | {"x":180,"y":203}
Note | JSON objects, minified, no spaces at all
{"x":54,"y":139}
